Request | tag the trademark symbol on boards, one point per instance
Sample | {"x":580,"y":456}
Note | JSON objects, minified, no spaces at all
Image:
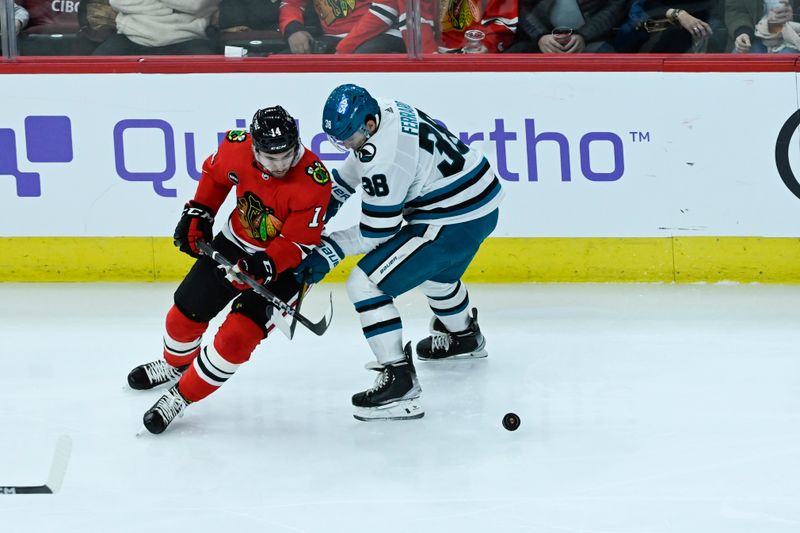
{"x":640,"y":136}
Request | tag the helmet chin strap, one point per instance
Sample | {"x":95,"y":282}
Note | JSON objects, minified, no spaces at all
{"x":298,"y":153}
{"x":365,"y":131}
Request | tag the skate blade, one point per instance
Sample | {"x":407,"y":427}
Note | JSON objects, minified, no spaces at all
{"x":402,"y":410}
{"x":478,"y":354}
{"x":165,"y":385}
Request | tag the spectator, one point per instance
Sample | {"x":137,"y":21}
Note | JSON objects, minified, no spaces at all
{"x":355,"y":27}
{"x":754,"y":29}
{"x":496,"y":19}
{"x":46,"y":16}
{"x":654,"y":26}
{"x":248,"y":15}
{"x":160,"y":27}
{"x":52,"y":28}
{"x":97,"y":20}
{"x":590,"y":24}
{"x":250,"y":24}
{"x":21,"y":18}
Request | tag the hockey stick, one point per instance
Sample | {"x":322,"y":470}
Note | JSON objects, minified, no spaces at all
{"x":318,"y":328}
{"x":57,"y":471}
{"x":304,"y":288}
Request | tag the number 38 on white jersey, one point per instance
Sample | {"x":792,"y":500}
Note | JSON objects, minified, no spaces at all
{"x":414,"y":169}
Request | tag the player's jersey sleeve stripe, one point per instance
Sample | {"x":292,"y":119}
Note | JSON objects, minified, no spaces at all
{"x":385,"y":13}
{"x":387,"y":9}
{"x":341,"y":183}
{"x":395,"y":209}
{"x":402,"y":21}
{"x":508,"y":23}
{"x":454,"y":188}
{"x":377,"y":233}
{"x":380,"y":221}
{"x":474,"y":203}
{"x":368,"y":211}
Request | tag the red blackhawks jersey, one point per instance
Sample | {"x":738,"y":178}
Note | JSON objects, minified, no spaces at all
{"x":357,"y":21}
{"x":275,"y":215}
{"x":496,"y":18}
{"x":335,"y":17}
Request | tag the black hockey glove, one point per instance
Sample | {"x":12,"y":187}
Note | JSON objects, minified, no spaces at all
{"x":258,"y":266}
{"x":196,"y":223}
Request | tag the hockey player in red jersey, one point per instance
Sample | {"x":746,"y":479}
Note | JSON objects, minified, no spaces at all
{"x":282,"y":192}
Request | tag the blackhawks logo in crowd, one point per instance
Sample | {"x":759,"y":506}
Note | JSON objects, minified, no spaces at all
{"x":331,"y":10}
{"x":459,"y":14}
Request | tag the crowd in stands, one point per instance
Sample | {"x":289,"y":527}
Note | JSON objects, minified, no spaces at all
{"x":262,"y":27}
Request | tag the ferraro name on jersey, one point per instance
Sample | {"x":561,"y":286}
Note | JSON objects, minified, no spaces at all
{"x":416,"y":170}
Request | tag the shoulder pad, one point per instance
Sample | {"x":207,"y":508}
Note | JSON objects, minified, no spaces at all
{"x":318,"y":173}
{"x":236,"y":136}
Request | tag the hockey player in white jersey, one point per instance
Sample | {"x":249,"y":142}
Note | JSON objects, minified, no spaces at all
{"x":428,"y":202}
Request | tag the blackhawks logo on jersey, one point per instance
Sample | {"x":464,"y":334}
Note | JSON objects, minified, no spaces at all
{"x":318,"y":173}
{"x":331,"y":10}
{"x":236,"y":136}
{"x":257,"y":219}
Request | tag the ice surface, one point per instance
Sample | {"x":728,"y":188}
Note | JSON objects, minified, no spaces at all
{"x":644,"y":408}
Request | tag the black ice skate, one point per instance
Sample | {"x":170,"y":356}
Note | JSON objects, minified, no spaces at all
{"x":153,"y":374}
{"x":395,"y":395}
{"x":443,"y":344}
{"x":165,"y":410}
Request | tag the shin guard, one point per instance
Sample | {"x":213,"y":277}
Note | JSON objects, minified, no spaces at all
{"x":235,"y":341}
{"x":182,"y":338}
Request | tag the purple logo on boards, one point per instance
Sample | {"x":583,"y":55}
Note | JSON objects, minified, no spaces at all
{"x":48,"y":139}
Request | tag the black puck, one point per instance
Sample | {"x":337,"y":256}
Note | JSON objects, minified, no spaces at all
{"x":511,"y":421}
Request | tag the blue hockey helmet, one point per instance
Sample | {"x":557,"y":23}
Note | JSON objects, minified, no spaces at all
{"x":346,"y":112}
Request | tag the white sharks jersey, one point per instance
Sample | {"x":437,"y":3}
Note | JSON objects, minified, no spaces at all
{"x":412,"y":169}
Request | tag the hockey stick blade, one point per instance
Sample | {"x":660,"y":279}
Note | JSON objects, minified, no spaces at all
{"x":40,"y":489}
{"x":318,"y":328}
{"x":58,"y":470}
